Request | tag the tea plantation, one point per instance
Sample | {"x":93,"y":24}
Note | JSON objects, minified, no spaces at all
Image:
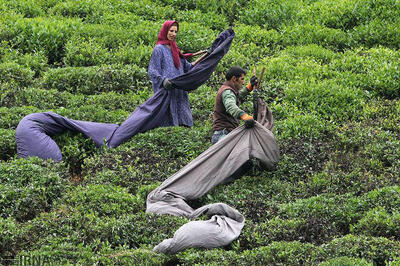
{"x":332,"y":81}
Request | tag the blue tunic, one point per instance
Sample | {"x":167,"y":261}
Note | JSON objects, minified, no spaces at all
{"x":162,"y":66}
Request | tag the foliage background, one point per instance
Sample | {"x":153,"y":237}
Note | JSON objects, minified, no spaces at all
{"x":332,"y":81}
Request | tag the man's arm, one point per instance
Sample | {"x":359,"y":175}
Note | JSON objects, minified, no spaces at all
{"x":243,"y":94}
{"x":229,"y":101}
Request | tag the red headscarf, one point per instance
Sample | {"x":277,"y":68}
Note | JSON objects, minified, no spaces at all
{"x":163,"y":39}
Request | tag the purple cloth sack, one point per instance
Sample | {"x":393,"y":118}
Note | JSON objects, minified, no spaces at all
{"x":34,"y":132}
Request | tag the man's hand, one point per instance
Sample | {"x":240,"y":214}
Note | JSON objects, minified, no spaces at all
{"x":252,"y":83}
{"x":167,"y":84}
{"x":248,"y":120}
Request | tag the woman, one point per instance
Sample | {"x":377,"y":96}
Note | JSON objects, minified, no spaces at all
{"x":167,"y":62}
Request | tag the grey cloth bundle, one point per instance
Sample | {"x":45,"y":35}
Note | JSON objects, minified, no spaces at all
{"x":201,"y":175}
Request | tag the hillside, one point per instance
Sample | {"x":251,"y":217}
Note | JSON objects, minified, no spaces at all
{"x":332,"y":81}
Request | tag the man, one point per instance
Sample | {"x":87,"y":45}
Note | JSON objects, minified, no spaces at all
{"x":226,"y":111}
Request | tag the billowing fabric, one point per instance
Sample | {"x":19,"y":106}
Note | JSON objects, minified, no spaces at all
{"x":161,"y":67}
{"x":201,"y":72}
{"x":201,"y":175}
{"x":155,"y":112}
{"x":163,"y":39}
{"x":34,"y":132}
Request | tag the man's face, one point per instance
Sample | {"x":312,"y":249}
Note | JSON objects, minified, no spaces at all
{"x":238,"y":82}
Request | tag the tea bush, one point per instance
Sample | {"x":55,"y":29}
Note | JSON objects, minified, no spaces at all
{"x":27,"y":8}
{"x":70,"y":226}
{"x":10,"y":117}
{"x":104,"y":200}
{"x":346,"y":261}
{"x":8,"y":238}
{"x":376,"y":249}
{"x":285,"y":253}
{"x":338,"y":14}
{"x":8,"y":145}
{"x":88,"y":11}
{"x":91,"y":52}
{"x":46,"y":34}
{"x":36,"y":61}
{"x":217,"y":22}
{"x":13,"y":72}
{"x":378,"y":222}
{"x":271,"y":14}
{"x":29,"y":188}
{"x":307,"y":34}
{"x":96,"y":79}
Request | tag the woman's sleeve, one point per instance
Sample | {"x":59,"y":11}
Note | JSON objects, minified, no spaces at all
{"x":155,"y":68}
{"x":186,"y":65}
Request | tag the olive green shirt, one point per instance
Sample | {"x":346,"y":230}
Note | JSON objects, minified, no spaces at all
{"x":229,"y":101}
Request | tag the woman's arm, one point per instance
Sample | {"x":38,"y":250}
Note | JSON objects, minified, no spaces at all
{"x":186,"y":65}
{"x":155,"y":68}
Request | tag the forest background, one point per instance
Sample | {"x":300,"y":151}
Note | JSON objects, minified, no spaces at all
{"x":331,"y":80}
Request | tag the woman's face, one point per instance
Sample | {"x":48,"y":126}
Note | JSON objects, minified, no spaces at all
{"x":173,"y":30}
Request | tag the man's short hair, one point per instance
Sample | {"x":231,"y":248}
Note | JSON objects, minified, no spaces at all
{"x":236,"y":71}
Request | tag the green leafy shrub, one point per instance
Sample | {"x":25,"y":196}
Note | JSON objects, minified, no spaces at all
{"x":74,"y":148}
{"x":58,"y":253}
{"x":9,"y":238}
{"x":193,"y":37}
{"x":27,"y":8}
{"x":100,"y":114}
{"x":271,"y":14}
{"x":254,"y":34}
{"x":346,"y":261}
{"x":96,"y":79}
{"x":258,"y":234}
{"x":8,"y":145}
{"x":81,"y":52}
{"x":46,"y":34}
{"x":328,"y":99}
{"x":10,"y":117}
{"x":338,"y":14}
{"x":29,"y":188}
{"x":149,"y":9}
{"x":387,"y":197}
{"x":333,"y":212}
{"x":216,"y":21}
{"x":88,"y":11}
{"x":138,"y":256}
{"x":87,"y":53}
{"x":36,"y":61}
{"x":38,"y":98}
{"x":13,"y":72}
{"x":104,"y":200}
{"x":277,"y":253}
{"x":306,"y":34}
{"x":72,"y":227}
{"x":376,"y":249}
{"x":375,"y":70}
{"x":378,"y":222}
{"x":122,"y":29}
{"x":377,"y":32}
